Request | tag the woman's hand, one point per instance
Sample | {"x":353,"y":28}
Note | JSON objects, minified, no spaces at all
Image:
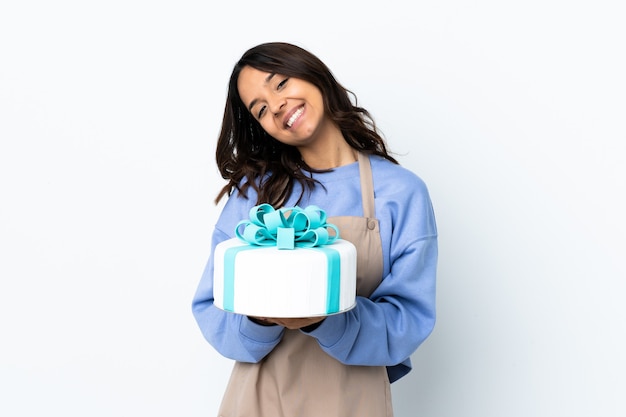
{"x":290,"y":323}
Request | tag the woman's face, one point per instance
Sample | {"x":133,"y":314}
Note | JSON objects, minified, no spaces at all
{"x":289,"y":109}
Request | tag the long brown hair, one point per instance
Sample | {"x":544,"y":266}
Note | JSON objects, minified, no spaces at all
{"x":248,"y":157}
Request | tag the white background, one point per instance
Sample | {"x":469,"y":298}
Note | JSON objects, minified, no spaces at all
{"x":512,"y":112}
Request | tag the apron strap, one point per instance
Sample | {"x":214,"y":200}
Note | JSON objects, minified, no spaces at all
{"x":367,"y":186}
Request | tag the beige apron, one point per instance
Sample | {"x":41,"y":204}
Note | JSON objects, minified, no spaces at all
{"x":298,"y":379}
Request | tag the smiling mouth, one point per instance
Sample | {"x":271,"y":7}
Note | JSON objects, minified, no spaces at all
{"x":294,"y":116}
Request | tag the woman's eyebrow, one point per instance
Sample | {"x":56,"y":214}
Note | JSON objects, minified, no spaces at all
{"x":267,"y":80}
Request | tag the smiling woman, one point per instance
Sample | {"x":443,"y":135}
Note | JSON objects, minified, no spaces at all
{"x":292,"y":136}
{"x":246,"y":150}
{"x":290,"y":110}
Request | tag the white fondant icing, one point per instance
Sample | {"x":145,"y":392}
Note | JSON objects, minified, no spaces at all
{"x":271,"y":282}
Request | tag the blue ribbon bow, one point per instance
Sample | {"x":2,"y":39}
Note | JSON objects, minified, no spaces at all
{"x":286,"y":228}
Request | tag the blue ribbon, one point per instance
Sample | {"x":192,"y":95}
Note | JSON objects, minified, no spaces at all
{"x":286,"y":228}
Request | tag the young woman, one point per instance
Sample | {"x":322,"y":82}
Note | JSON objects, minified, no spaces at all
{"x":291,"y":135}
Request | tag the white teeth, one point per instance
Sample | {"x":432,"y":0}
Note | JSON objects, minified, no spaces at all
{"x":294,"y":116}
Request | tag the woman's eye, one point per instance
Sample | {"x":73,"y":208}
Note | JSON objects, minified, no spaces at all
{"x":282,"y":83}
{"x":261,"y":112}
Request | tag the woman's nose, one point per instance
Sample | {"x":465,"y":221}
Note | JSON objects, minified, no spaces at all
{"x":277,"y":104}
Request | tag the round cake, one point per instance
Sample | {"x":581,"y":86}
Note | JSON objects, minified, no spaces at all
{"x":268,"y":281}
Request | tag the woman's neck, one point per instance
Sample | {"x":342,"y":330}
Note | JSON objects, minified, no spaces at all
{"x":330,"y":157}
{"x":329,"y":151}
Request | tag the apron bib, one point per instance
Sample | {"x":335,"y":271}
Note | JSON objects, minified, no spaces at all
{"x":298,"y":379}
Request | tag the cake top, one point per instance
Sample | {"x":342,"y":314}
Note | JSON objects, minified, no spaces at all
{"x":287,"y":227}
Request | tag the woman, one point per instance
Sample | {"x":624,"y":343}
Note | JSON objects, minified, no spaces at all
{"x":292,"y":136}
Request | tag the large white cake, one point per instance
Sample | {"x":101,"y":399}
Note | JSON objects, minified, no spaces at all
{"x":266,"y":281}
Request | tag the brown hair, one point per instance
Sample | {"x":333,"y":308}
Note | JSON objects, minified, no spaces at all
{"x":248,"y":157}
